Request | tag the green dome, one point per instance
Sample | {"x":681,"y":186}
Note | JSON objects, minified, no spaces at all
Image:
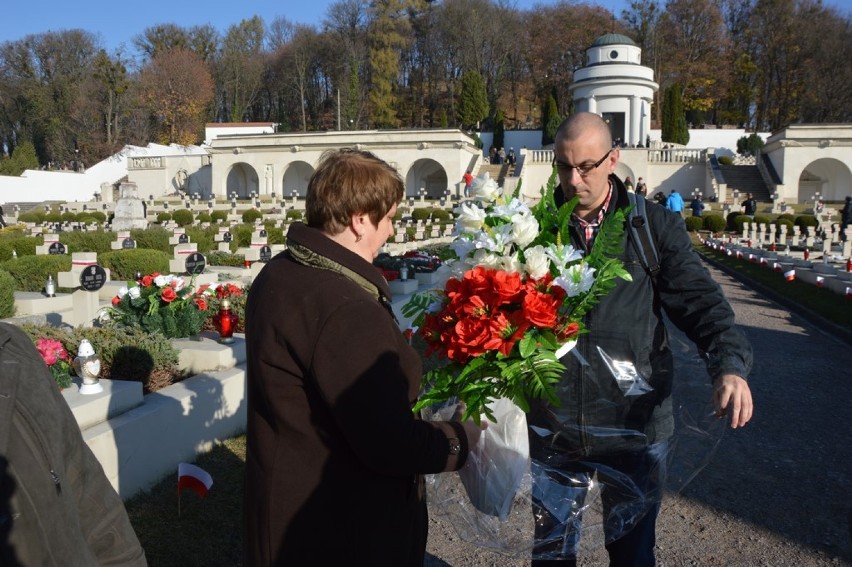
{"x":613,"y":39}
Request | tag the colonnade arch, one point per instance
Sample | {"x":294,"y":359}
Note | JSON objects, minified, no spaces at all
{"x":828,"y":176}
{"x":242,"y":180}
{"x":427,"y":174}
{"x":296,"y":178}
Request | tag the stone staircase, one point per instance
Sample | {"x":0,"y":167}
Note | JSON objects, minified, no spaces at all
{"x":496,"y":171}
{"x":746,"y":179}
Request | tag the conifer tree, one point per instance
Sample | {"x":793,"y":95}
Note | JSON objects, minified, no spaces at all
{"x":550,"y":121}
{"x":473,"y":103}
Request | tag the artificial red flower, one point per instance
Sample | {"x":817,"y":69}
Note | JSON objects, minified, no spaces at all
{"x":200,"y":303}
{"x":148,"y":280}
{"x":116,"y":300}
{"x":540,"y":309}
{"x":169,"y":294}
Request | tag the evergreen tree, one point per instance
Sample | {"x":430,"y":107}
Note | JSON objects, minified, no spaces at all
{"x":499,"y":129}
{"x":23,"y":157}
{"x":473,"y":104}
{"x":550,"y":121}
{"x":674,"y":128}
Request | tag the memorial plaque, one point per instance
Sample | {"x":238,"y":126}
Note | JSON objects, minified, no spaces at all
{"x":183,"y":239}
{"x":128,"y":243}
{"x":263,"y":233}
{"x":93,"y":278}
{"x":265,"y":253}
{"x":195,"y":263}
{"x":226,"y":237}
{"x":56,"y":248}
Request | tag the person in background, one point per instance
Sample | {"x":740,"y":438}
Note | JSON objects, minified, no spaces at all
{"x":628,"y":183}
{"x":749,"y":206}
{"x":674,"y":202}
{"x":334,"y":454}
{"x":511,"y":156}
{"x":596,"y":429}
{"x":57,"y":506}
{"x":641,"y":187}
{"x":845,"y":217}
{"x":468,"y":182}
{"x":697,"y":206}
{"x":660,"y":198}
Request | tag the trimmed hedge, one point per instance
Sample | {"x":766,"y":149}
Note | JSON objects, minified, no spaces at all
{"x":218,"y":216}
{"x":154,"y":237}
{"x":224,"y":259}
{"x":762,"y":219}
{"x":91,"y":241}
{"x":7,"y":294}
{"x":183,"y":217}
{"x":163,"y":217}
{"x":294,"y":214}
{"x":694,"y":224}
{"x":123,"y":264}
{"x":740,"y":221}
{"x":30,"y":272}
{"x":802,"y":221}
{"x":203,"y":216}
{"x":714,"y":223}
{"x":251,"y":215}
{"x":779,"y":222}
{"x":202,"y":237}
{"x":23,"y":245}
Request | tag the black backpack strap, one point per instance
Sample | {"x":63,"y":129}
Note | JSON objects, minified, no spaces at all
{"x":640,"y":234}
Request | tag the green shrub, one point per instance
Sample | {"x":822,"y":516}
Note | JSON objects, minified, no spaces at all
{"x":801,"y":221}
{"x":762,"y":219}
{"x":694,"y":224}
{"x":779,"y":222}
{"x":98,"y":216}
{"x":86,"y":218}
{"x":7,"y":294}
{"x":90,"y":241}
{"x":241,"y":234}
{"x":202,"y":237}
{"x":183,"y":217}
{"x":30,"y":272}
{"x":69,"y":216}
{"x":725,"y":160}
{"x":33,"y":216}
{"x":274,"y":235}
{"x":740,"y":221}
{"x":126,"y":354}
{"x":218,"y":216}
{"x":787,"y":216}
{"x":154,"y":237}
{"x":203,"y":216}
{"x":730,"y":220}
{"x":163,"y":217}
{"x":426,"y":212}
{"x":294,"y":214}
{"x":224,"y":259}
{"x":23,"y":245}
{"x":53,"y":217}
{"x":124,"y":264}
{"x":251,"y":215}
{"x":714,"y":223}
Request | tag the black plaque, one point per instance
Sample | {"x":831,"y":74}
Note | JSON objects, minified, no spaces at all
{"x":93,"y":278}
{"x":265,"y":253}
{"x":262,"y":233}
{"x":128,"y":243}
{"x":56,"y":248}
{"x":183,"y":239}
{"x":226,"y":237}
{"x":195,"y":263}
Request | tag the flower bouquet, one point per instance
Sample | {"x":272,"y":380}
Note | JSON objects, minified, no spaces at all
{"x":57,"y":360}
{"x":160,"y":303}
{"x":501,"y":324}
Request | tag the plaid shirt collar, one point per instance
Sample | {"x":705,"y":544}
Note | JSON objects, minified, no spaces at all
{"x":590,"y":228}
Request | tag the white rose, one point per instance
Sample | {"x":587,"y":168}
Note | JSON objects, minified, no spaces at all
{"x":487,"y":260}
{"x":485,"y":188}
{"x":538,"y":263}
{"x":134,"y":292}
{"x":511,"y":264}
{"x":524,"y":229}
{"x":471,"y":218}
{"x":122,"y":291}
{"x":161,"y":280}
{"x":576,"y":279}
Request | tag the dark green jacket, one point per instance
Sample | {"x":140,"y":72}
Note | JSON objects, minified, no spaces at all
{"x":56,"y":505}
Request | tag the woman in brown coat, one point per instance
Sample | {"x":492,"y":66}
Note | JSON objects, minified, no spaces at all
{"x":334,"y":452}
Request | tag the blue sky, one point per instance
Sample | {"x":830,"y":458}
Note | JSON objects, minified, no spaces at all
{"x":118,"y":22}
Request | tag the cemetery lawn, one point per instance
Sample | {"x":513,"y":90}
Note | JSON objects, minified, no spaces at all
{"x":209,"y":530}
{"x":814,"y":302}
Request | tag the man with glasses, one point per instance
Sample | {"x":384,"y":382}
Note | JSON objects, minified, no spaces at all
{"x":614,"y":419}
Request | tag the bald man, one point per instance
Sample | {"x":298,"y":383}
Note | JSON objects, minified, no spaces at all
{"x":615,"y":417}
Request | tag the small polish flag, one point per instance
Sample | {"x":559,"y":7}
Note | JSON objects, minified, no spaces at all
{"x":196,"y":478}
{"x":820,"y":281}
{"x":849,"y":293}
{"x":739,"y":255}
{"x":790,"y":275}
{"x":763,"y":262}
{"x":776,"y":266}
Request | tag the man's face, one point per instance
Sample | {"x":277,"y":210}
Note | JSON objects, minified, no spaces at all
{"x":591,"y":187}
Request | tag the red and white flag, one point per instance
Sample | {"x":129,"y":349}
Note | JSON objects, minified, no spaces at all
{"x":849,"y":293}
{"x":776,"y":266}
{"x":763,"y":262}
{"x":820,"y":281}
{"x":790,"y":275}
{"x":196,"y":478}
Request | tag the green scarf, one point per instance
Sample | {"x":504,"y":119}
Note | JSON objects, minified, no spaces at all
{"x":307,"y":257}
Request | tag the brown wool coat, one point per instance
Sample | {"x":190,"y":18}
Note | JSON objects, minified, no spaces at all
{"x":334,"y":450}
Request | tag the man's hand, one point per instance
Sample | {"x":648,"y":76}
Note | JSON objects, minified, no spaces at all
{"x":731,"y":395}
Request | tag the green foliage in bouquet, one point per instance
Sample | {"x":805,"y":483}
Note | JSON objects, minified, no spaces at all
{"x":160,"y":304}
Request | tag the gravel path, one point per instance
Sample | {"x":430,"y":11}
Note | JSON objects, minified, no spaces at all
{"x":779,"y":491}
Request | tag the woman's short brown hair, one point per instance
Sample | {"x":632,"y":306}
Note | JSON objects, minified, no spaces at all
{"x":350,"y":182}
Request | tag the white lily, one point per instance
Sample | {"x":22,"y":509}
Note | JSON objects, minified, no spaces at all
{"x":576,"y":279}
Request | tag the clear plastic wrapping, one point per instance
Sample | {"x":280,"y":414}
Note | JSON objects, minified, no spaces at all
{"x":545,"y":501}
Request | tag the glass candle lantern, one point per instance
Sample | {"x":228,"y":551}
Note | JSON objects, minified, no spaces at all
{"x":226,"y":322}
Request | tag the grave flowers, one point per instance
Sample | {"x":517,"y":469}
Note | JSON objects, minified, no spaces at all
{"x":161,"y":303}
{"x":57,"y":360}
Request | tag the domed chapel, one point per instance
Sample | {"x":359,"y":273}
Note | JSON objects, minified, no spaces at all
{"x":616,"y":85}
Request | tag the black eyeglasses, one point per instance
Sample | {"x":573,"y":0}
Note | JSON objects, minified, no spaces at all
{"x":583,"y":170}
